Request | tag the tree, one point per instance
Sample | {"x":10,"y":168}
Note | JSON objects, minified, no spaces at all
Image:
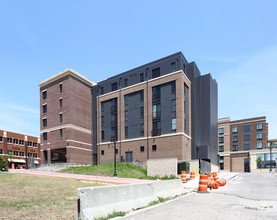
{"x":2,"y":164}
{"x":259,"y":162}
{"x":8,"y":160}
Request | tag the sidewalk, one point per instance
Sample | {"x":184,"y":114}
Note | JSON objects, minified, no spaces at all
{"x":100,"y":179}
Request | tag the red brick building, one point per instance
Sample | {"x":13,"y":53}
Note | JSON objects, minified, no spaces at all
{"x":65,"y":113}
{"x":21,"y":147}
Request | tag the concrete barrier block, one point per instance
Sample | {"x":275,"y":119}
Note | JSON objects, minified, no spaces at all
{"x":168,"y":188}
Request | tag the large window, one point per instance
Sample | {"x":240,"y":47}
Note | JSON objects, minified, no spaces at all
{"x":9,"y":140}
{"x":221,"y":148}
{"x":246,"y":146}
{"x":259,"y":136}
{"x":234,"y":129}
{"x":44,"y":95}
{"x":221,"y":162}
{"x":259,"y":126}
{"x":156,"y":94}
{"x":156,"y":72}
{"x":21,"y":154}
{"x":156,"y":111}
{"x":154,"y":147}
{"x":156,"y":128}
{"x":234,"y":147}
{"x":246,"y":137}
{"x":45,"y":136}
{"x":266,"y":160}
{"x":44,"y":122}
{"x":259,"y":145}
{"x":15,"y":141}
{"x":44,"y":109}
{"x":221,"y":140}
{"x":173,"y":124}
{"x":221,"y":131}
{"x":173,"y":67}
{"x":21,"y":142}
{"x":246,"y":128}
{"x":15,"y":153}
{"x":141,"y":148}
{"x":234,"y":138}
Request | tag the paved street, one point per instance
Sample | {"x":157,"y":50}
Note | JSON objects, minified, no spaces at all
{"x":247,"y":196}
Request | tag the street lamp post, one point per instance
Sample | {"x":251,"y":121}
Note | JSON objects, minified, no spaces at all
{"x":270,"y":151}
{"x":114,"y":144}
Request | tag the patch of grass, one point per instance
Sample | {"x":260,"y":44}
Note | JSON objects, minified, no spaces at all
{"x":123,"y":169}
{"x":38,"y":197}
{"x":160,"y":200}
{"x":113,"y":215}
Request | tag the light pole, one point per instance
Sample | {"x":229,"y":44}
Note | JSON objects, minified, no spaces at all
{"x":270,"y":151}
{"x":114,"y":144}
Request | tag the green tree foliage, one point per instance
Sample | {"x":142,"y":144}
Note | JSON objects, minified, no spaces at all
{"x":259,"y":162}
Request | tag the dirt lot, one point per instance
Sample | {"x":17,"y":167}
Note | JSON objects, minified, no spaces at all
{"x":25,"y":196}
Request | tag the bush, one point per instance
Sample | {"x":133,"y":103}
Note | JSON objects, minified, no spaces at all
{"x":2,"y":164}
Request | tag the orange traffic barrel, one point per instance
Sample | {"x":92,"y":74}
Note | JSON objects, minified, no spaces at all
{"x":183,"y":176}
{"x":12,"y":165}
{"x":21,"y":167}
{"x":203,"y":181}
{"x":192,"y":175}
{"x":222,"y":182}
{"x":216,"y":178}
{"x":213,"y":184}
{"x":210,"y":176}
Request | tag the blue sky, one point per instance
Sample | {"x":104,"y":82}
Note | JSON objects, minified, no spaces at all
{"x":235,"y":41}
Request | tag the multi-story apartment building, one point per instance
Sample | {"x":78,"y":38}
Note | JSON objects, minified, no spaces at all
{"x":20,"y":146}
{"x":65,"y":113}
{"x":241,"y":142}
{"x":162,"y":109}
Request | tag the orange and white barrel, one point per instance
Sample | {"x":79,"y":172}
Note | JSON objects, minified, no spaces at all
{"x":203,"y":181}
{"x":12,"y":165}
{"x":222,"y":182}
{"x":212,"y":184}
{"x":216,"y":178}
{"x":183,"y":176}
{"x":192,"y":175}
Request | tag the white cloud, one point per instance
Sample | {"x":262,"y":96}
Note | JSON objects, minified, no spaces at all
{"x":250,"y":89}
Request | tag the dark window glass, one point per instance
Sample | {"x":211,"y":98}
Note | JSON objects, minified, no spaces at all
{"x":156,"y":72}
{"x":234,"y":138}
{"x":234,"y":147}
{"x":173,"y":87}
{"x":126,"y":116}
{"x":61,"y":88}
{"x":9,"y":140}
{"x":114,"y":134}
{"x":221,"y":140}
{"x":21,"y":154}
{"x":141,"y":130}
{"x":221,"y":163}
{"x":15,"y":141}
{"x":61,"y":103}
{"x":114,"y":105}
{"x":102,"y":135}
{"x":44,"y":122}
{"x":260,"y":145}
{"x":154,"y":147}
{"x":141,"y":96}
{"x":44,"y":95}
{"x":141,"y":76}
{"x":125,"y":82}
{"x":234,"y":129}
{"x":173,"y":105}
{"x":246,"y":146}
{"x":116,"y":151}
{"x":102,"y":90}
{"x":102,"y":152}
{"x":221,"y":131}
{"x":61,"y":133}
{"x":45,"y":136}
{"x":221,"y":148}
{"x":259,"y":126}
{"x":114,"y":86}
{"x":102,"y":121}
{"x":15,"y":153}
{"x":173,"y":67}
{"x":247,"y":137}
{"x":141,"y":148}
{"x":246,"y":128}
{"x":61,"y":118}
{"x":259,"y":136}
{"x":141,"y":112}
{"x":126,"y":132}
{"x":156,"y":128}
{"x":126,"y":100}
{"x":156,"y":94}
{"x":102,"y":106}
{"x":44,"y":108}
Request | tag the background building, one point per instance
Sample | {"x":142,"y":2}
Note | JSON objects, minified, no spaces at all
{"x":161,"y":109}
{"x":241,"y":142}
{"x":21,"y":146}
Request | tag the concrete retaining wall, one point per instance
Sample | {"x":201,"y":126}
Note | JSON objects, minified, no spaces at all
{"x":162,"y":167}
{"x":100,"y":201}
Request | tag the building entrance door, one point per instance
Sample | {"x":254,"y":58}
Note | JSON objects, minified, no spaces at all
{"x":246,"y":164}
{"x":129,"y":156}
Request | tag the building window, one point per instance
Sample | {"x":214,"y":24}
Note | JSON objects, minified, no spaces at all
{"x":234,"y":130}
{"x":114,"y":134}
{"x":173,"y":87}
{"x":259,"y":126}
{"x":247,"y":137}
{"x":125,"y":82}
{"x":102,"y":121}
{"x":246,"y":128}
{"x":21,"y":142}
{"x":44,"y":95}
{"x":15,"y":153}
{"x":116,"y":151}
{"x":221,"y":131}
{"x":44,"y":122}
{"x":101,"y":90}
{"x":61,"y":133}
{"x":156,"y":111}
{"x":141,"y":130}
{"x":141,"y":96}
{"x":44,"y":109}
{"x":30,"y":143}
{"x":173,"y":105}
{"x":246,"y":146}
{"x":102,"y":135}
{"x":45,"y":136}
{"x":221,"y":140}
{"x":259,"y":136}
{"x":266,"y":158}
{"x":61,"y":103}
{"x":234,"y":147}
{"x":234,"y":138}
{"x":141,"y":77}
{"x":126,"y":100}
{"x":156,"y":94}
{"x":35,"y":144}
{"x":1,"y":151}
{"x":173,"y":124}
{"x":259,"y":145}
{"x":156,"y":73}
{"x":61,"y":118}
{"x":102,"y":152}
{"x":141,"y":148}
{"x":30,"y":155}
{"x":102,"y":106}
{"x":221,"y":148}
{"x":1,"y":139}
{"x":141,"y":112}
{"x":156,"y":128}
{"x":9,"y":140}
{"x":126,"y":116}
{"x":21,"y":154}
{"x":35,"y":155}
{"x":221,"y":163}
{"x":10,"y":152}
{"x":114,"y":86}
{"x":61,"y":88}
{"x":154,"y":147}
{"x":15,"y":141}
{"x":126,"y":131}
{"x":173,"y":67}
